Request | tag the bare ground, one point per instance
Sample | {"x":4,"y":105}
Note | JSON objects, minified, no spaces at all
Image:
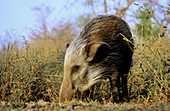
{"x":45,"y":106}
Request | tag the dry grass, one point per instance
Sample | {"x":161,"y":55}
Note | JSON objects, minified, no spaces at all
{"x":31,"y":74}
{"x":149,"y":78}
{"x":35,"y":72}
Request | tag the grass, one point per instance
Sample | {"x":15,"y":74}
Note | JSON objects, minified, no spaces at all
{"x":149,"y":78}
{"x":31,"y":74}
{"x":35,"y":73}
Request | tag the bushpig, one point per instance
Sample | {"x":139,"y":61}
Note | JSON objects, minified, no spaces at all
{"x":103,"y":49}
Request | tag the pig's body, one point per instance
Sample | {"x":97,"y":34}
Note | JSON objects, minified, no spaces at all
{"x":103,"y":48}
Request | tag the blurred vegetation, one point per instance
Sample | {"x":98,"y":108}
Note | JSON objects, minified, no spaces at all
{"x":34,"y":70}
{"x":147,"y":28}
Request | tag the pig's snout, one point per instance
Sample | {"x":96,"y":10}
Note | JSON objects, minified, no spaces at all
{"x":66,"y":91}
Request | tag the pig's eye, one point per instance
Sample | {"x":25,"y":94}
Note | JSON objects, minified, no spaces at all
{"x":75,"y":69}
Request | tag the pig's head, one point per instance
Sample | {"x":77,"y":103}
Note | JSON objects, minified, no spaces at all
{"x":79,"y":74}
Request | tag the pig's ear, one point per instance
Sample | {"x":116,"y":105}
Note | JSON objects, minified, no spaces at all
{"x":90,"y":50}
